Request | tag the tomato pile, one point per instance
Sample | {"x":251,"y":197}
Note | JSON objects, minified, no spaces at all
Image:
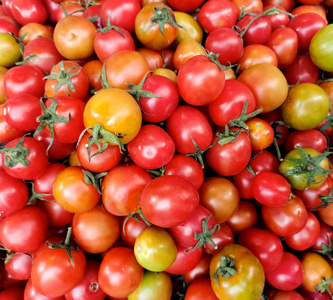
{"x":166,"y":149}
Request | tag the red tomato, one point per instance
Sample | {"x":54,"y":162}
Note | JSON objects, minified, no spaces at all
{"x":185,"y":5}
{"x":30,"y":293}
{"x":130,"y":229}
{"x":56,"y":214}
{"x":19,"y":265}
{"x":200,"y":289}
{"x":29,"y":11}
{"x":200,"y":271}
{"x":311,"y":138}
{"x":14,"y":293}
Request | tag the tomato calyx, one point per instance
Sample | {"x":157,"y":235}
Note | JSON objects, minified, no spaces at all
{"x":158,"y":172}
{"x":19,"y":42}
{"x":215,"y":59}
{"x":66,"y":245}
{"x":48,"y":118}
{"x":323,"y":286}
{"x":109,"y":27}
{"x":327,"y":249}
{"x":10,"y":254}
{"x":206,"y":236}
{"x":198,"y":153}
{"x":138,"y":216}
{"x":225,"y":269}
{"x":18,"y":154}
{"x":94,"y":286}
{"x":95,"y":180}
{"x":308,"y":165}
{"x":136,"y":90}
{"x":35,"y":195}
{"x":63,"y":78}
{"x":162,"y":16}
{"x":228,"y":136}
{"x":240,"y":121}
{"x":100,"y":135}
{"x":325,"y":199}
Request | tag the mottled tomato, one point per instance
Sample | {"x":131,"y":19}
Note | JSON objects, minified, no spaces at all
{"x":261,"y":133}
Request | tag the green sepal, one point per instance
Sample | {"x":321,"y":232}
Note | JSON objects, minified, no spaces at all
{"x":226,"y":268}
{"x":94,"y":179}
{"x":18,"y":154}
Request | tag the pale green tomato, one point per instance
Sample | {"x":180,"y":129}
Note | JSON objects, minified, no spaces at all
{"x":9,"y":51}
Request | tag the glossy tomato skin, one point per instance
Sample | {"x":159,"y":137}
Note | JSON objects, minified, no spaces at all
{"x":66,"y":275}
{"x":130,"y":230}
{"x":261,"y":133}
{"x":30,"y":293}
{"x":185,"y":5}
{"x":231,"y":158}
{"x":288,"y":275}
{"x":25,"y":230}
{"x":285,"y":220}
{"x":167,"y":189}
{"x":122,"y":188}
{"x":194,"y":78}
{"x":264,"y":244}
{"x":37,"y":159}
{"x":221,"y":237}
{"x":200,"y":289}
{"x":26,"y":12}
{"x":117,"y":267}
{"x":325,"y":235}
{"x":56,"y":214}
{"x":19,"y":266}
{"x":247,"y":283}
{"x":152,"y":148}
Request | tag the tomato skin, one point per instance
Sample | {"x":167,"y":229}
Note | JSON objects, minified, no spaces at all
{"x":195,"y":75}
{"x":325,"y":235}
{"x":221,"y":237}
{"x":56,"y":261}
{"x":200,"y":289}
{"x":14,"y":293}
{"x":122,"y":188}
{"x":25,"y":230}
{"x":155,"y":249}
{"x":285,"y":220}
{"x":72,"y":192}
{"x":19,"y":266}
{"x":152,"y":148}
{"x":287,"y":295}
{"x":117,"y":267}
{"x":56,"y":214}
{"x":325,"y":214}
{"x":30,"y":11}
{"x":7,"y":133}
{"x":288,"y":275}
{"x":30,"y":293}
{"x":131,"y":230}
{"x":231,"y":158}
{"x":12,"y":188}
{"x":305,"y":238}
{"x":264,"y":244}
{"x":9,"y":45}
{"x":261,"y":133}
{"x":248,"y":283}
{"x":166,"y":189}
{"x":185,"y":5}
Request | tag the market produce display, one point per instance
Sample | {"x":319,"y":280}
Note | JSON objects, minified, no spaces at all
{"x":166,"y":149}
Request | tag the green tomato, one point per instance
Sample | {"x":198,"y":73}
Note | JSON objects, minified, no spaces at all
{"x":306,"y":106}
{"x":305,"y":168}
{"x":155,"y":249}
{"x":9,"y":51}
{"x":153,"y":286}
{"x":321,"y":48}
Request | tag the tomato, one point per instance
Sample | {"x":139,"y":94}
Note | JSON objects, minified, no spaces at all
{"x":94,"y":70}
{"x":24,"y":158}
{"x":33,"y":31}
{"x":287,"y":295}
{"x":325,"y":214}
{"x":122,"y":188}
{"x":14,"y":293}
{"x":283,"y":41}
{"x":3,"y":72}
{"x":30,"y":293}
{"x":243,"y":218}
{"x":19,"y":265}
{"x":153,"y":57}
{"x":155,"y":26}
{"x":278,"y":19}
{"x":235,"y":273}
{"x":131,"y":228}
{"x":56,"y":214}
{"x":217,"y":192}
{"x":152,"y":148}
{"x":266,"y":80}
{"x":74,"y":37}
{"x":305,"y":238}
{"x":12,"y":188}
{"x":25,"y":230}
{"x":153,"y":286}
{"x":53,"y":257}
{"x":271,"y":189}
{"x":190,"y":28}
{"x":316,"y":271}
{"x":93,"y":161}
{"x":195,"y":76}
{"x":10,"y":51}
{"x":89,"y":286}
{"x":265,"y":245}
{"x":323,"y":240}
{"x":200,"y":289}
{"x":287,"y":219}
{"x":116,"y":111}
{"x":218,"y":13}
{"x":306,"y":106}
{"x":200,"y":271}
{"x":7,"y":133}
{"x":7,"y":26}
{"x":221,"y":237}
{"x":29,"y":11}
{"x":67,"y":78}
{"x":168,"y":200}
{"x":72,"y":192}
{"x":320,"y":48}
{"x":117,"y":266}
{"x":110,"y":40}
{"x":309,"y":8}
{"x":305,"y":168}
{"x":24,"y":80}
{"x":185,"y":5}
{"x":229,"y":158}
{"x":261,"y":133}
{"x":288,"y":275}
{"x":155,"y":249}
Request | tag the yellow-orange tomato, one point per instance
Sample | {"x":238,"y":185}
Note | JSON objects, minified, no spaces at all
{"x":185,"y":50}
{"x":9,"y":50}
{"x":256,"y":54}
{"x":261,"y":134}
{"x":328,"y":88}
{"x":74,"y":37}
{"x":249,"y":5}
{"x":72,"y":192}
{"x":268,"y":85}
{"x":73,"y":159}
{"x":166,"y":73}
{"x":3,"y":72}
{"x":33,"y":31}
{"x":317,"y":9}
{"x":190,"y":28}
{"x":116,"y":110}
{"x":147,"y":28}
{"x":229,"y":74}
{"x":125,"y":67}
